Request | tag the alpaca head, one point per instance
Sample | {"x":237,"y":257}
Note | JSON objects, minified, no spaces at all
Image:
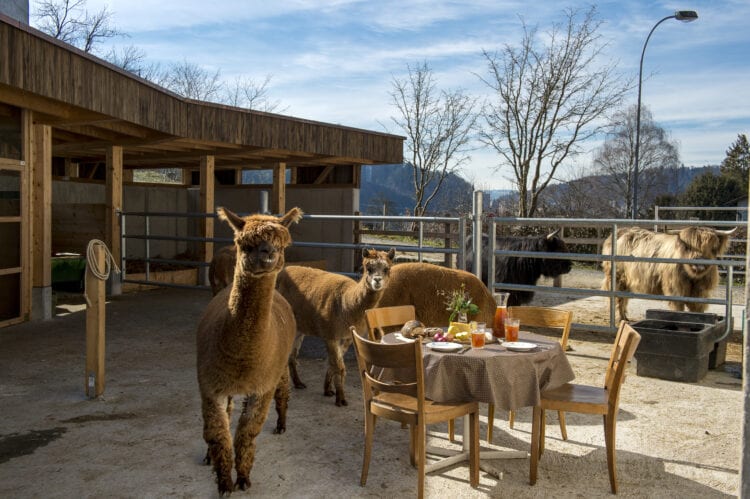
{"x":376,"y":266}
{"x":260,"y":240}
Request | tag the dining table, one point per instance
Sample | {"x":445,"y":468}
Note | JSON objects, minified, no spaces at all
{"x":507,"y":377}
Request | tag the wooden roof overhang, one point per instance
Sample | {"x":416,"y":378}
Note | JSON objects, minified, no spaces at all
{"x":92,"y":105}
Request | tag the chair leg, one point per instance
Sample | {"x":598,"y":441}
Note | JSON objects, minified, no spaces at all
{"x":609,"y":439}
{"x":543,"y":431}
{"x":452,"y":430}
{"x":536,"y":430}
{"x":511,"y":418}
{"x":413,"y":445}
{"x":421,"y":458}
{"x":490,"y":421}
{"x":563,"y":429}
{"x":369,"y":431}
{"x":474,"y":449}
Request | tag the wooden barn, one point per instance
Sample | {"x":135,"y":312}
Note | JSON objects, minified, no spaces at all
{"x":74,"y":128}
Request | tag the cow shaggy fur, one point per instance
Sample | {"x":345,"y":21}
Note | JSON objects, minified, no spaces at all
{"x":326,"y":304}
{"x":524,"y":269}
{"x":669,"y":279}
{"x":243,"y":342}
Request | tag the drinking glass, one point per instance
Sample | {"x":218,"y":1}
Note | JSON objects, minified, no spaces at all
{"x":512,"y":326}
{"x":477,"y":338}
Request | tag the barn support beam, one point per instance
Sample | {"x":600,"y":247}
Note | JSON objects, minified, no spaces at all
{"x":27,"y":132}
{"x":71,"y":168}
{"x":112,"y":218}
{"x":278,"y":194}
{"x":41,"y":223}
{"x":207,"y":207}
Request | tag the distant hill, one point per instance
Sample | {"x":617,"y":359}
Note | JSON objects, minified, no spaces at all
{"x":392,"y":186}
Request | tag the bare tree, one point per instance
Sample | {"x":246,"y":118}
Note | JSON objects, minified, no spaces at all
{"x":192,"y":81}
{"x":437,"y":126}
{"x":547,"y":101}
{"x":69,"y":21}
{"x":616,"y":160}
{"x":251,"y":94}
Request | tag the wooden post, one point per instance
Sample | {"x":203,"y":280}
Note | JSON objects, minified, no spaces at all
{"x":207,"y":207}
{"x":27,"y":210}
{"x":71,"y":168}
{"x":41,"y":248}
{"x":94,"y":379}
{"x":278,"y":194}
{"x":114,"y":204}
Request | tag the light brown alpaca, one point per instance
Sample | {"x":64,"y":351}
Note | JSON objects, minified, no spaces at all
{"x":327,"y":304}
{"x":423,"y":285}
{"x":221,"y":270}
{"x":243,"y":343}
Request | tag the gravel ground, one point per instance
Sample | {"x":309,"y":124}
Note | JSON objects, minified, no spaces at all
{"x":142,"y":438}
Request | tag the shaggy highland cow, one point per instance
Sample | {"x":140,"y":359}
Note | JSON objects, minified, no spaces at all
{"x":669,"y":279}
{"x":523,"y":269}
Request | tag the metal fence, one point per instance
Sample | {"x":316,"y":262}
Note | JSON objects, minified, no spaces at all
{"x":449,"y":237}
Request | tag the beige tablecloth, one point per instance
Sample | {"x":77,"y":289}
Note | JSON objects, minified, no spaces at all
{"x":494,"y":374}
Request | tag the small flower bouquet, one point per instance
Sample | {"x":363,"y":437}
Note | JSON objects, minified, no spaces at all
{"x":459,"y":303}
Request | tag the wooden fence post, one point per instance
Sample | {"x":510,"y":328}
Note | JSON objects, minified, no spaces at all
{"x":95,"y":307}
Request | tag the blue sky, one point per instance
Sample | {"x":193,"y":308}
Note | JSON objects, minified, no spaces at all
{"x":334,"y":61}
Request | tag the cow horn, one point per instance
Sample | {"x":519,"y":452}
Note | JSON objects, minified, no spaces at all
{"x":553,"y":234}
{"x":722,"y":232}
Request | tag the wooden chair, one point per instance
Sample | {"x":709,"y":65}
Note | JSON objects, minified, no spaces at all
{"x":537,"y":317}
{"x":404,"y":401}
{"x":589,"y":400}
{"x":382,"y":317}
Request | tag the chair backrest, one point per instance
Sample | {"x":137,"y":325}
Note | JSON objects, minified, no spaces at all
{"x":382,"y":317}
{"x":545,"y":317}
{"x":373,"y":357}
{"x":626,"y":342}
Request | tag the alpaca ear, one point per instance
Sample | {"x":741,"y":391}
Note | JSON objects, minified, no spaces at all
{"x":391,"y":253}
{"x":292,"y":216}
{"x":365,"y":253}
{"x":235,"y":221}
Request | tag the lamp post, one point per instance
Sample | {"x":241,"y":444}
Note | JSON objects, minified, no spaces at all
{"x":685,"y":16}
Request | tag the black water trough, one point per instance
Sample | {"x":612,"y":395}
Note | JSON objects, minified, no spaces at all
{"x":680,"y":346}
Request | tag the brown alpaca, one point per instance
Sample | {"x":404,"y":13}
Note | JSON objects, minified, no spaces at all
{"x":221,"y":270}
{"x":243,"y":343}
{"x":421,"y":285}
{"x":327,"y":304}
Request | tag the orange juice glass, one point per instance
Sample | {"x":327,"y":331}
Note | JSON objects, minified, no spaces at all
{"x":477,"y":338}
{"x":511,"y":329}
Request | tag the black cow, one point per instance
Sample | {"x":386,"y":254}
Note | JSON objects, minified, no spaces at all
{"x":522,"y":269}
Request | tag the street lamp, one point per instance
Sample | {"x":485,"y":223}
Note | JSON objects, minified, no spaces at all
{"x":685,"y":16}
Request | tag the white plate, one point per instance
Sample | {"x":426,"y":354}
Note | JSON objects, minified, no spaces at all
{"x":402,"y":338}
{"x":519,"y":346}
{"x":445,"y":346}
